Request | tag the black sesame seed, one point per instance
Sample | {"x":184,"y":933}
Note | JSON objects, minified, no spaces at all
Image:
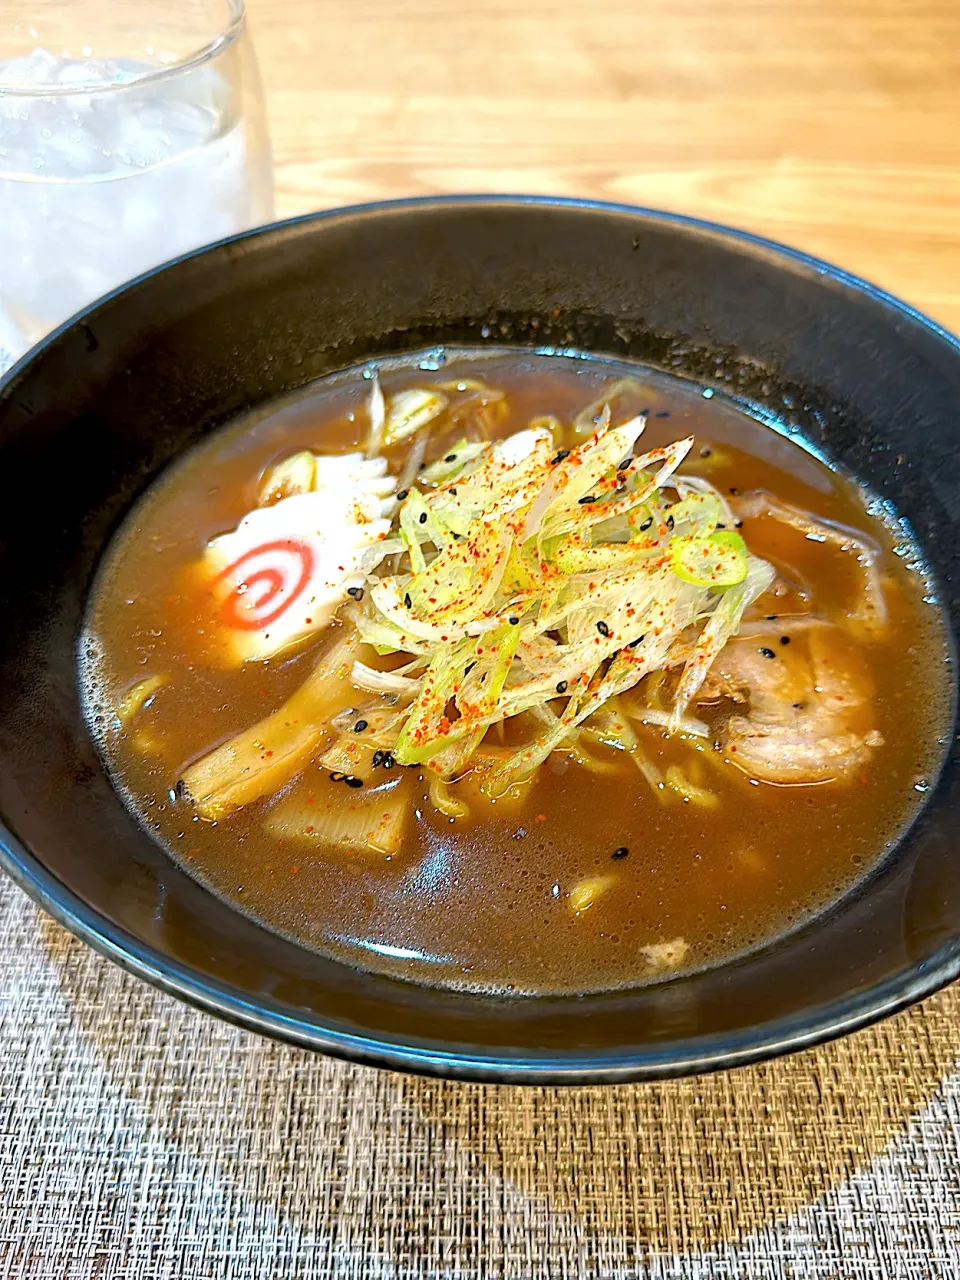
{"x":562,"y":687}
{"x":337,"y":777}
{"x":646,"y":524}
{"x":771,"y":617}
{"x":388,"y":761}
{"x":180,"y":789}
{"x":564,"y":453}
{"x":738,"y":524}
{"x":407,"y":601}
{"x":452,"y":492}
{"x":402,"y":494}
{"x":670,"y":522}
{"x":705,"y":452}
{"x":351,"y":781}
{"x":625,"y":464}
{"x":469,"y":668}
{"x":735,"y":492}
{"x":767,"y":653}
{"x":721,"y":525}
{"x":662,"y":413}
{"x":784,"y":639}
{"x":451,"y":457}
{"x":360,"y":726}
{"x":590,"y":497}
{"x":423,"y":466}
{"x":603,"y":628}
{"x":423,"y":517}
{"x":619,"y":854}
{"x":513,"y":619}
{"x":639,"y":640}
{"x":356,"y":592}
{"x":377,"y":759}
{"x":456,"y":536}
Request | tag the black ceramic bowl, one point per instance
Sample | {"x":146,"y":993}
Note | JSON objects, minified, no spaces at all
{"x":92,"y":416}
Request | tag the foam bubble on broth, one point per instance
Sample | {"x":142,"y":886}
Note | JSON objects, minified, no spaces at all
{"x":471,"y":904}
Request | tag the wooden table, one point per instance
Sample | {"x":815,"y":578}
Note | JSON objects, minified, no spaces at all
{"x":833,"y":125}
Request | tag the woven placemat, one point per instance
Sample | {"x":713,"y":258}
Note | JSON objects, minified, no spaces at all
{"x":140,"y":1138}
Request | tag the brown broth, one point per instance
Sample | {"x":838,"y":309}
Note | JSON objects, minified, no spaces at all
{"x":483,"y":902}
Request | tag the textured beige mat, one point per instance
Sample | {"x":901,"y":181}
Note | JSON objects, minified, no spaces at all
{"x":141,"y":1139}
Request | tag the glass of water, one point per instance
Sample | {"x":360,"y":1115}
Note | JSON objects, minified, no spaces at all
{"x":130,"y":131}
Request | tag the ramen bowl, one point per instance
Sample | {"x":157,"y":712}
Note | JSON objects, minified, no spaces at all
{"x":99,"y":409}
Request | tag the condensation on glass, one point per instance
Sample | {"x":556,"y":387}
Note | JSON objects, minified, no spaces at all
{"x":128,"y":135}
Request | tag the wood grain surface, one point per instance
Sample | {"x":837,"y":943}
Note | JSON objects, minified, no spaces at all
{"x":833,"y":125}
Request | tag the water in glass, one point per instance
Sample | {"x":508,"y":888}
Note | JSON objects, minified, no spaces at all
{"x":107,"y":168}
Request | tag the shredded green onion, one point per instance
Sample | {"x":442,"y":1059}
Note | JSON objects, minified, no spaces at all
{"x":717,"y":560}
{"x":546,"y":580}
{"x":408,"y":411}
{"x":453,"y":463}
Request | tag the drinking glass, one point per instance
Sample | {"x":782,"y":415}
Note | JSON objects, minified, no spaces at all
{"x":130,"y":132}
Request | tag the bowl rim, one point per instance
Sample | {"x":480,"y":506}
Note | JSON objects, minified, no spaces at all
{"x":503,"y":1064}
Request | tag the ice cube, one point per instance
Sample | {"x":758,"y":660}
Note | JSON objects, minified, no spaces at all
{"x":97,"y":188}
